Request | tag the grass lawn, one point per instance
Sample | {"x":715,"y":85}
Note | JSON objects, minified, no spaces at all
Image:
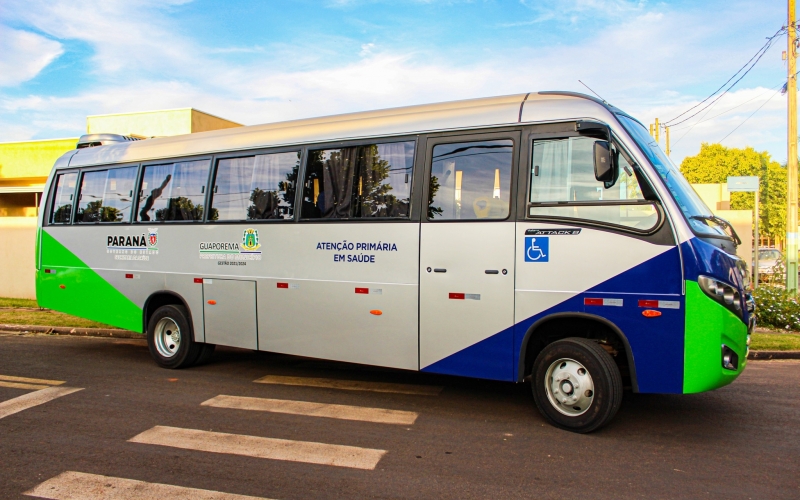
{"x":46,"y":318}
{"x":5,"y":302}
{"x":775,"y":342}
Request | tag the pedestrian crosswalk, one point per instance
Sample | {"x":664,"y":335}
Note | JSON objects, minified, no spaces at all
{"x":80,"y":486}
{"x":77,"y":485}
{"x":44,"y":390}
{"x":261,"y":447}
{"x":344,"y":412}
{"x":352,"y":385}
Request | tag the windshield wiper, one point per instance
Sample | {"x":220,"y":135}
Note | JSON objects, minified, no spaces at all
{"x":722,"y":222}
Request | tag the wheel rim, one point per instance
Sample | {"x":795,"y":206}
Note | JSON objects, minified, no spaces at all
{"x":569,"y":387}
{"x":167,"y":337}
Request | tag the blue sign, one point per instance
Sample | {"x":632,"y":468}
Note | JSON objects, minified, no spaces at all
{"x":537,"y":249}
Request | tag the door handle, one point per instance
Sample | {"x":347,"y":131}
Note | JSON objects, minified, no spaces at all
{"x":439,"y":270}
{"x":492,"y":271}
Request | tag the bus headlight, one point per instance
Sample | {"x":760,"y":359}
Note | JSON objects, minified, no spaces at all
{"x":723,"y":293}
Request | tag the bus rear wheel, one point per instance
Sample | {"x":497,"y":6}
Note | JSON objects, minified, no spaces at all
{"x":170,"y":338}
{"x":576,"y":385}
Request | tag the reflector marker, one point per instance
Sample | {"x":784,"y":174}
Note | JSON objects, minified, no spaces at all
{"x":198,"y":280}
{"x":49,"y":271}
{"x":660,"y":304}
{"x":362,"y":290}
{"x":457,"y":296}
{"x":283,"y":285}
{"x":131,"y":276}
{"x":602,"y":302}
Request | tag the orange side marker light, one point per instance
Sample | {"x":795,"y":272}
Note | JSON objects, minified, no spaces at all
{"x":212,"y":302}
{"x":62,"y":286}
{"x":376,"y":312}
{"x":649,"y":313}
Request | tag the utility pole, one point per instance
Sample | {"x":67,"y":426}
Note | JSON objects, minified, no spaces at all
{"x":666,"y":133}
{"x":657,"y":130}
{"x":791,"y":162}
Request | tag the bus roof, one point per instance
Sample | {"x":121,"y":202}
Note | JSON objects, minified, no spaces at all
{"x":454,"y":115}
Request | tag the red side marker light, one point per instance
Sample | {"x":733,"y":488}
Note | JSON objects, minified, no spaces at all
{"x":650,"y":313}
{"x":283,"y":285}
{"x":593,"y":302}
{"x":457,"y":296}
{"x":648,"y":303}
{"x":129,"y":276}
{"x":212,"y":302}
{"x":362,"y":290}
{"x":198,"y":280}
{"x":62,"y":286}
{"x":376,"y":312}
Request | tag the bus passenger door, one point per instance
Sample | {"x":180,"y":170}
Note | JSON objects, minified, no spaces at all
{"x":229,"y":311}
{"x":467,"y":257}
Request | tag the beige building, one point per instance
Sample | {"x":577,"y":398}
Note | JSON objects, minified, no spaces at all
{"x":24,"y":167}
{"x":718,"y":199}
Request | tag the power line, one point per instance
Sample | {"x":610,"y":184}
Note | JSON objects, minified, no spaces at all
{"x":751,"y":114}
{"x":751,"y":63}
{"x":737,"y":106}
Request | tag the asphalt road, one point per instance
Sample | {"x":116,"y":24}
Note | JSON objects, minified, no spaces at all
{"x":473,"y":439}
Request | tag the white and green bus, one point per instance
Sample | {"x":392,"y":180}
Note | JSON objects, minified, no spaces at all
{"x":538,"y":237}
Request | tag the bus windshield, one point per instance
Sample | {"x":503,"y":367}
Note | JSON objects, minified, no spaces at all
{"x":700,"y":218}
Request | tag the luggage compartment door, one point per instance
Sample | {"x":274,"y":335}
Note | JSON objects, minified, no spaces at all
{"x":229,"y":310}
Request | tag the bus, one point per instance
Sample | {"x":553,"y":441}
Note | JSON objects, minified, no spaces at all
{"x":538,"y":238}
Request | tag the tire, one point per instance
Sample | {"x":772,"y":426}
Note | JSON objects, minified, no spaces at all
{"x":170,"y":338}
{"x":206,"y":351}
{"x":576,"y":385}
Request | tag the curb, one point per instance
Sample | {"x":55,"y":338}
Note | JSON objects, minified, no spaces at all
{"x":765,"y":355}
{"x":126,"y":334}
{"x":66,"y":330}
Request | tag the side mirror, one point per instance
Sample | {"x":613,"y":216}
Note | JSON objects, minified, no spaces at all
{"x":603,"y":162}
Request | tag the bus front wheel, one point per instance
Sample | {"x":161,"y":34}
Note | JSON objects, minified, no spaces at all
{"x":170,"y":338}
{"x":576,"y":385}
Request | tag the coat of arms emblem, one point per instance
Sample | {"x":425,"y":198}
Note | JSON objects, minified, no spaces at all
{"x":152,"y":237}
{"x":250,"y":240}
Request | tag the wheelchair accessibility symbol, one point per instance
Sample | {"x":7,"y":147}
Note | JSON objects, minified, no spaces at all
{"x":537,"y":249}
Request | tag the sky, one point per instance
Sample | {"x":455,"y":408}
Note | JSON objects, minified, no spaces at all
{"x":258,"y":61}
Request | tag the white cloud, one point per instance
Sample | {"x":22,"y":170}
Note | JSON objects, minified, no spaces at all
{"x":143,"y":60}
{"x":24,"y":54}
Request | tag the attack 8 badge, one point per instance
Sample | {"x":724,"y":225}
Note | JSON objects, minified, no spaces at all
{"x":250,"y":241}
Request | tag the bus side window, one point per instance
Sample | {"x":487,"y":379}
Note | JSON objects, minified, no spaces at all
{"x":62,"y":200}
{"x":255,"y":187}
{"x":562,"y":184}
{"x":471,"y":180}
{"x":175,"y":191}
{"x":106,"y":195}
{"x":359,"y":182}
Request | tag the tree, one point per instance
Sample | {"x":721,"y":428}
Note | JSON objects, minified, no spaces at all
{"x":715,"y":163}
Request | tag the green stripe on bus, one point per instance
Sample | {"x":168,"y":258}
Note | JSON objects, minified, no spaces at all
{"x":85,"y":293}
{"x":708,"y":326}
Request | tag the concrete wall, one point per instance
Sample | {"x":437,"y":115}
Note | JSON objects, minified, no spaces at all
{"x":17,"y":259}
{"x":30,"y":162}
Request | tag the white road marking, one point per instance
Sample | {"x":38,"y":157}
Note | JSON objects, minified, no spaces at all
{"x":39,"y":381}
{"x":344,"y":412}
{"x":17,"y":385}
{"x":81,"y":486}
{"x":261,"y":447}
{"x":32,"y":399}
{"x":352,"y":385}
